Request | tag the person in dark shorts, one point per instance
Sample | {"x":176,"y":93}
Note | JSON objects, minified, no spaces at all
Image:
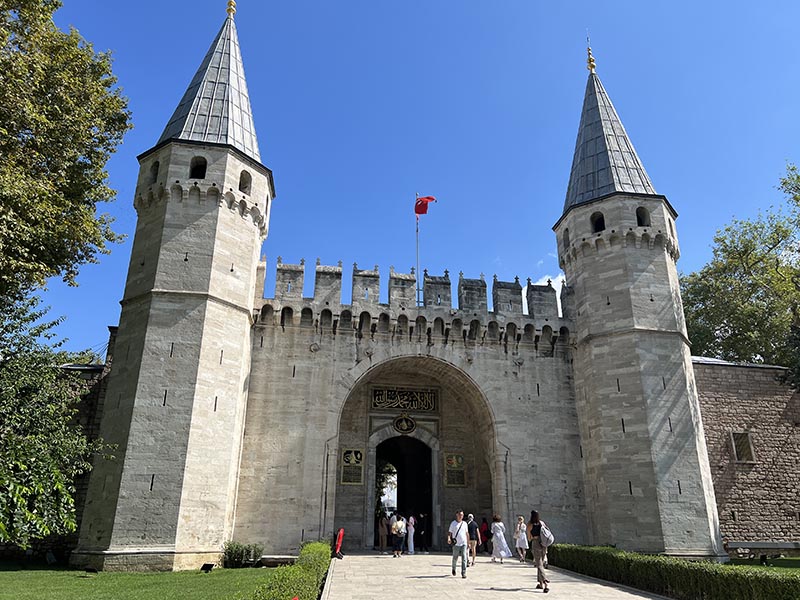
{"x":474,"y":537}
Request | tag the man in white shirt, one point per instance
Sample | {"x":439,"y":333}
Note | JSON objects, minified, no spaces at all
{"x":457,"y":537}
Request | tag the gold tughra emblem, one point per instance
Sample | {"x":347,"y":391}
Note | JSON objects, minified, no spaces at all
{"x":404,"y":424}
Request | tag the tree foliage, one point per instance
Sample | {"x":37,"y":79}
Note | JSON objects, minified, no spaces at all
{"x":61,"y":117}
{"x":42,"y":448}
{"x":744,"y":305}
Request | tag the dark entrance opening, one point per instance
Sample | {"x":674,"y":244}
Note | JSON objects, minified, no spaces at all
{"x":412,"y":461}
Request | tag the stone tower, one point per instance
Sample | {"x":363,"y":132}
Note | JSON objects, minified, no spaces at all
{"x":647,"y":477}
{"x":177,"y":394}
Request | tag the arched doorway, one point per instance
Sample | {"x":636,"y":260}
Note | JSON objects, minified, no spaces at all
{"x":420,"y":402}
{"x":411,"y":460}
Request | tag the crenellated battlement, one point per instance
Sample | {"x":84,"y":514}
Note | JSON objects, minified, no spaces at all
{"x":401,"y":318}
{"x":640,"y":238}
{"x":192,"y":191}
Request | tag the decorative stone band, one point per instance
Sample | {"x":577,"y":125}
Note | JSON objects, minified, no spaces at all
{"x":607,"y":241}
{"x":193,"y":192}
{"x":211,"y":297}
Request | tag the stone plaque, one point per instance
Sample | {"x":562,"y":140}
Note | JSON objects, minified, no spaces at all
{"x":455,"y":473}
{"x":456,"y":478}
{"x":352,"y":466}
{"x":404,"y":399}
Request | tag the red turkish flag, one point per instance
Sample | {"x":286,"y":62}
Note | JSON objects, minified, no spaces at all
{"x":421,"y":206}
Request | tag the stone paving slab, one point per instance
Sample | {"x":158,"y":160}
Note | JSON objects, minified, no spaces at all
{"x":427,"y":576}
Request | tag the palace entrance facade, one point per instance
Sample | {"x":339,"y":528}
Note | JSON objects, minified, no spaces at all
{"x":432,"y":422}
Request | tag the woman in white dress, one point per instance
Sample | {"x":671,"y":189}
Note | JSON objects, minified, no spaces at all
{"x":499,"y":545}
{"x":412,"y":522}
{"x":521,"y":538}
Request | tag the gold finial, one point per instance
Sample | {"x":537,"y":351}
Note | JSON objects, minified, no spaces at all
{"x":590,"y":64}
{"x":231,"y":8}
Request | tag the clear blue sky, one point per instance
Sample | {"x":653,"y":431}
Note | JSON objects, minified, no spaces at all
{"x":359,"y":104}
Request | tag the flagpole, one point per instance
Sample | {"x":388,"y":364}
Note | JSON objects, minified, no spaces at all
{"x":416,"y":217}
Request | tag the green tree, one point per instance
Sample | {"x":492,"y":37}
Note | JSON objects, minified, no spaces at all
{"x":744,"y":305}
{"x":61,"y":117}
{"x":42,"y":449}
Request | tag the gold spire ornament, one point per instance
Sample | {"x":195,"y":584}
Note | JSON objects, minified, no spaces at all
{"x":590,"y":64}
{"x":231,"y":8}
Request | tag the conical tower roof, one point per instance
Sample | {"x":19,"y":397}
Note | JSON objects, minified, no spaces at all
{"x":605,"y":160}
{"x":216,"y":107}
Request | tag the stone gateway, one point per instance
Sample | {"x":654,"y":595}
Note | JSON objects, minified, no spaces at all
{"x":265,"y":420}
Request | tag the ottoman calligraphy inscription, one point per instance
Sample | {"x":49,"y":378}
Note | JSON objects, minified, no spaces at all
{"x":404,"y":399}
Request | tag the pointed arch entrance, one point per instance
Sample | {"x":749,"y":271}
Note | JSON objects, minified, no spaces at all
{"x":433,"y":419}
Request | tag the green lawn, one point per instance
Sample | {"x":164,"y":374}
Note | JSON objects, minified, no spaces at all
{"x":44,"y":584}
{"x":779,"y":564}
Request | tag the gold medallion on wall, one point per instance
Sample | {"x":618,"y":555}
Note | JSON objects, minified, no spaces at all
{"x":404,"y":424}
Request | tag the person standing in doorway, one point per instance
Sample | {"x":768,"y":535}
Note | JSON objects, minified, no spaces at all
{"x":499,"y":544}
{"x":457,"y":538}
{"x":422,"y":525}
{"x":539,"y":551}
{"x":485,"y":535}
{"x":383,"y":531}
{"x":399,"y":535}
{"x":474,"y":537}
{"x":412,"y":525}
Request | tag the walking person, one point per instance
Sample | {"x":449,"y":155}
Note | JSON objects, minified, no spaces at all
{"x":521,"y":538}
{"x":474,"y":537}
{"x":457,"y":537}
{"x":539,"y":543}
{"x":499,"y":545}
{"x":412,"y":522}
{"x":398,"y":535}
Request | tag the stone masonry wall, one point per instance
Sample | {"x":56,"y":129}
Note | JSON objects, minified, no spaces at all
{"x":760,"y":500}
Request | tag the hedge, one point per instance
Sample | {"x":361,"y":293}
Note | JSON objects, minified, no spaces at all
{"x":677,"y":578}
{"x":302,"y":579}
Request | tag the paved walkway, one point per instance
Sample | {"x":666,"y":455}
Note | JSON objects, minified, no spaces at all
{"x":427,"y":577}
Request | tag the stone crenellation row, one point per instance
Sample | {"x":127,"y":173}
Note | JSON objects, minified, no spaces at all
{"x":436,"y":292}
{"x":611,"y":239}
{"x":430,"y":330}
{"x":195,"y":193}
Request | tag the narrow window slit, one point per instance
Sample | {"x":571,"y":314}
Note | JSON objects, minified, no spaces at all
{"x":215,"y":403}
{"x":294,"y":370}
{"x":630,"y":488}
{"x":580,"y":450}
{"x":171,"y":349}
{"x":152,"y":481}
{"x":664,"y":383}
{"x":165,"y":398}
{"x":221,"y":353}
{"x":537,"y":389}
{"x":623,"y":425}
{"x":680,"y":491}
{"x":618,"y":388}
{"x":669,"y":422}
{"x":262,"y":342}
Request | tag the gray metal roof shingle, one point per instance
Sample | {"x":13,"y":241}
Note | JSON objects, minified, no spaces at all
{"x":605,"y":160}
{"x":216,"y":106}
